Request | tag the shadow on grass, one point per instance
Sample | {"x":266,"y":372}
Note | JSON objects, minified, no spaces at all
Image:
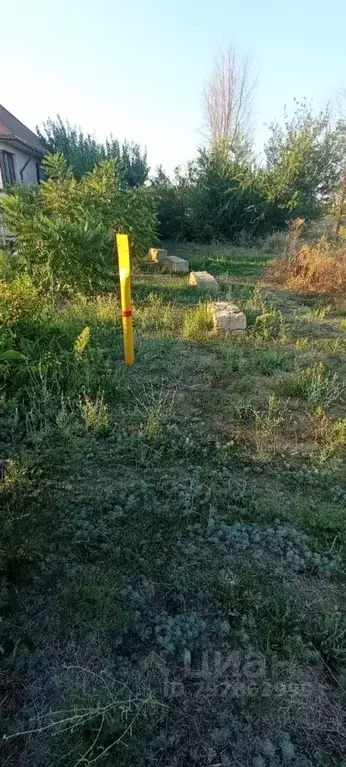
{"x":178,"y":292}
{"x":220,"y":258}
{"x":237,"y":267}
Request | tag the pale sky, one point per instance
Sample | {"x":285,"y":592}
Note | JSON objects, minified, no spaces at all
{"x":136,"y":68}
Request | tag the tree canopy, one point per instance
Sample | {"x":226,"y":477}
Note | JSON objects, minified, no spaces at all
{"x":83,"y":152}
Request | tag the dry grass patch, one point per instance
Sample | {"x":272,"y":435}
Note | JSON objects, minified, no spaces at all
{"x":318,"y":268}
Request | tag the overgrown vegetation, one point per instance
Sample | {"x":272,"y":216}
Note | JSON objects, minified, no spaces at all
{"x":65,"y":228}
{"x":172,"y":536}
{"x":83,"y":152}
{"x":225,"y":195}
{"x":319,"y":267}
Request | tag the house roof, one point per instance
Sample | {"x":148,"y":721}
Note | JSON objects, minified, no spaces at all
{"x":11,"y":128}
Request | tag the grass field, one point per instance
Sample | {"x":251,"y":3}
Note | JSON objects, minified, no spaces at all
{"x":173,"y":535}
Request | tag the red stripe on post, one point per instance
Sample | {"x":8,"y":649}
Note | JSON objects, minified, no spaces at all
{"x":126,"y":314}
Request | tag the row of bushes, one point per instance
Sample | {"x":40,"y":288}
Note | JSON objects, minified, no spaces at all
{"x":65,"y":227}
{"x":227,"y":194}
{"x":218,"y":199}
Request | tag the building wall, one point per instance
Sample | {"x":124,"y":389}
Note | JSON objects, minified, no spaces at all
{"x":20,"y":158}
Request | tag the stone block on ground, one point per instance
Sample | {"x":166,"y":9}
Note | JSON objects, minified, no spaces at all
{"x":228,"y":318}
{"x":204,"y":282}
{"x":176,"y":265}
{"x":159,"y":255}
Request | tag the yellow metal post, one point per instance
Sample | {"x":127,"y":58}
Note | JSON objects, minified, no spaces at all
{"x":125,"y":293}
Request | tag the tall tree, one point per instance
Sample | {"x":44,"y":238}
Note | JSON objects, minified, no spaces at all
{"x":228,"y":102}
{"x":83,"y":152}
{"x":339,"y":193}
{"x":303,"y":162}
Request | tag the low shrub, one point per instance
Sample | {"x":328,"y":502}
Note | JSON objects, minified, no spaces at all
{"x":275,"y":242}
{"x":319,"y":267}
{"x":65,"y":228}
{"x":19,"y":300}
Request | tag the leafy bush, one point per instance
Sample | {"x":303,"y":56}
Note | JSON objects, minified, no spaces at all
{"x":303,"y":161}
{"x":65,"y":229}
{"x":18,"y":300}
{"x":225,"y":195}
{"x":173,"y":201}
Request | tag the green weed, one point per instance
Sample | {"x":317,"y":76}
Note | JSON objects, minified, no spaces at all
{"x":302,"y":344}
{"x":271,"y":325}
{"x":94,"y":414}
{"x":318,"y":314}
{"x":267,"y":425}
{"x":316,"y":385}
{"x":157,"y":316}
{"x":273,"y":360}
{"x":154,"y":407}
{"x":256,"y":302}
{"x":81,"y":343}
{"x":233,"y":359}
{"x":198,"y":323}
{"x":329,"y":434}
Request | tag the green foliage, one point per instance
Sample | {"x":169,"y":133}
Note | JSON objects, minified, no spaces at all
{"x":155,"y":407}
{"x":198,"y":322}
{"x":83,"y":152}
{"x":267,"y":425}
{"x":81,"y":343}
{"x":19,"y":300}
{"x":159,"y":553}
{"x":270,"y":324}
{"x":273,"y":360}
{"x":65,"y":228}
{"x":225,"y":196}
{"x":316,"y":385}
{"x":303,"y":162}
{"x":173,"y":202}
{"x":94,"y":414}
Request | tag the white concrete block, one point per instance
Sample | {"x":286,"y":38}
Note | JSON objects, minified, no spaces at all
{"x":176,"y":265}
{"x":227,"y":317}
{"x":159,"y":255}
{"x":204,"y":282}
